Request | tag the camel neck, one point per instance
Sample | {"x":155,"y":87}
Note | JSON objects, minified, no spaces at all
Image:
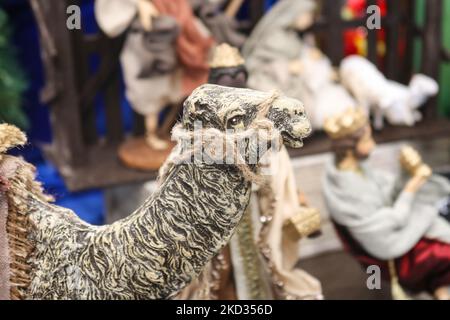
{"x":192,"y":216}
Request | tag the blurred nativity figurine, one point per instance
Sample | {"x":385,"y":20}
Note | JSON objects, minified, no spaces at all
{"x":390,"y":221}
{"x":282,"y":53}
{"x":222,"y":25}
{"x":277,"y":57}
{"x":164,"y":57}
{"x":259,"y":262}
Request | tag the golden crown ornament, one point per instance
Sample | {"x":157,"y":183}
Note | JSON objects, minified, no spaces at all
{"x":226,"y":56}
{"x":345,"y":123}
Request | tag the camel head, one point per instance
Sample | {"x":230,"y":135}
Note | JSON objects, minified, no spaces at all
{"x":237,"y":109}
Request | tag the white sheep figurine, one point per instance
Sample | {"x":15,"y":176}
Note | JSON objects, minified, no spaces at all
{"x":385,"y":98}
{"x":323,"y":96}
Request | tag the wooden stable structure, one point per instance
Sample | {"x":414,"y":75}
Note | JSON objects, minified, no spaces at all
{"x":87,"y":160}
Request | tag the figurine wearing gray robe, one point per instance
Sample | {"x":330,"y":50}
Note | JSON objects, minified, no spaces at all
{"x":386,"y":221}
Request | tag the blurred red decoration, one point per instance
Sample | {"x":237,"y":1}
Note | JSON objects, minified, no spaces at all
{"x":355,"y":40}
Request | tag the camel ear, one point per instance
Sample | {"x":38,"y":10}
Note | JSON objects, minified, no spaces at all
{"x":189,"y":110}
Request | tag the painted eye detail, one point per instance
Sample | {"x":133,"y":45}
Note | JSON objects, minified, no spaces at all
{"x":300,"y":113}
{"x":235,"y":121}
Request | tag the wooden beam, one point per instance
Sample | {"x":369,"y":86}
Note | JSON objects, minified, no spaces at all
{"x":65,"y":108}
{"x":47,"y":40}
{"x":82,"y":74}
{"x":138,"y":128}
{"x":318,"y":142}
{"x":392,"y":54}
{"x":372,"y":39}
{"x":445,"y":55}
{"x":334,"y":39}
{"x":104,"y":168}
{"x":432,"y":44}
{"x":412,"y":31}
{"x":113,"y":111}
{"x":105,"y":80}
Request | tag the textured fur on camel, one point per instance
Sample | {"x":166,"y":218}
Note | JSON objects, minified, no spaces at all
{"x":164,"y":244}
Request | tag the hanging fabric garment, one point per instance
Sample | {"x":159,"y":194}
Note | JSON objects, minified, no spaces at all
{"x":192,"y":46}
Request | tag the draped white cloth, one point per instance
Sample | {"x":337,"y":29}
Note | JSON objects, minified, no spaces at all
{"x":285,"y":250}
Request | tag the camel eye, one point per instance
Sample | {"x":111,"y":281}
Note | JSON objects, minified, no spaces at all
{"x":235,"y":121}
{"x":299,"y":113}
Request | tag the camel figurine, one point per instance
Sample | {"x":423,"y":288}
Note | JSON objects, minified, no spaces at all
{"x":47,"y":252}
